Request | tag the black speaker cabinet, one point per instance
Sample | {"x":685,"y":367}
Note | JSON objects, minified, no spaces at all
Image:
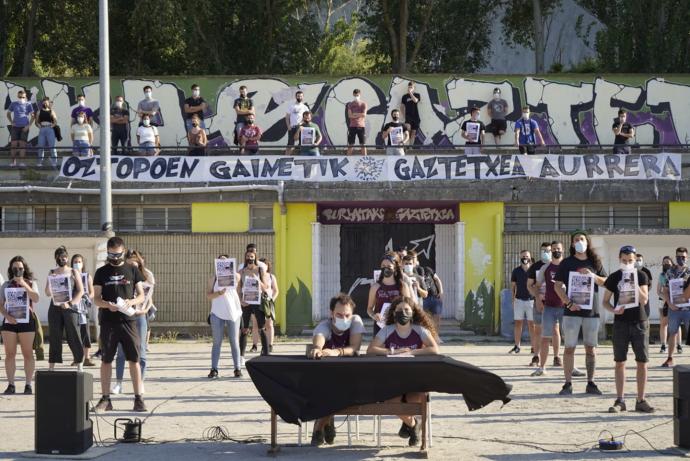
{"x":681,"y":406}
{"x":62,"y":419}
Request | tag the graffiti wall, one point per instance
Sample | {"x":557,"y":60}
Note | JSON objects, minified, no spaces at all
{"x":569,"y":109}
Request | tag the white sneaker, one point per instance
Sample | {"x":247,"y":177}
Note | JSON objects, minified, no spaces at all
{"x":241,"y":362}
{"x":116,"y":389}
{"x":577,"y":372}
{"x":538,"y":372}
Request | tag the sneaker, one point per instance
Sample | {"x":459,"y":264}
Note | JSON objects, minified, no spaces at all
{"x":329,"y":433}
{"x":567,"y":389}
{"x":253,"y":349}
{"x":663,"y":349}
{"x":213,"y":374}
{"x":139,"y":404}
{"x":618,"y":406}
{"x":577,"y":372}
{"x":89,"y":363}
{"x":317,"y":438}
{"x":514,"y":350}
{"x":104,"y":404}
{"x":116,"y":389}
{"x":404,"y":432}
{"x":10,"y":390}
{"x":414,"y":433}
{"x":98,"y":354}
{"x":557,"y":362}
{"x":538,"y":372}
{"x":592,"y":389}
{"x":679,"y":348}
{"x":238,"y":373}
{"x":644,"y":407}
{"x":531,"y":350}
{"x":28,"y":390}
{"x":668,"y":363}
{"x":535,"y":361}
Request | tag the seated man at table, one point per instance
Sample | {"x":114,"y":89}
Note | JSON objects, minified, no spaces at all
{"x":408,"y":331}
{"x":338,"y":336}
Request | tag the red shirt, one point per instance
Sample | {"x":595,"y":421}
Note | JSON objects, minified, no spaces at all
{"x":357,"y":108}
{"x":251,"y":131}
{"x":551,"y":299}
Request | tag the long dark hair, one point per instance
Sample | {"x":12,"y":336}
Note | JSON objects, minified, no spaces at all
{"x":138,"y":256}
{"x":419,"y":317}
{"x":28,"y":275}
{"x":591,"y":254}
{"x":397,"y":269}
{"x":83,"y":260}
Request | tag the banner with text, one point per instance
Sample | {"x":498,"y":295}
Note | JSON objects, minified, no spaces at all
{"x":378,"y":168}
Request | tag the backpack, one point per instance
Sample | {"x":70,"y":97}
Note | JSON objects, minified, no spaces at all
{"x":430,"y":282}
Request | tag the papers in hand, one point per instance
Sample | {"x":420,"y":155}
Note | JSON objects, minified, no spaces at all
{"x":628,"y":293}
{"x":60,"y":286}
{"x":122,"y":307}
{"x":225,"y":272}
{"x":406,"y":354}
{"x":17,"y":304}
{"x":307,"y":136}
{"x":384,"y":311}
{"x":581,"y":290}
{"x":675,"y":288}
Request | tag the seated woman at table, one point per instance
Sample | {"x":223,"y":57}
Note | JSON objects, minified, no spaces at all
{"x":410,"y":331}
{"x":338,"y":336}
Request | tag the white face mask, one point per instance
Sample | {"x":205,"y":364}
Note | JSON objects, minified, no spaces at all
{"x":497,"y":95}
{"x":545,"y":256}
{"x":357,"y":98}
{"x":76,"y":267}
{"x":581,"y":246}
{"x":639,"y":264}
{"x":408,"y":268}
{"x":195,"y":93}
{"x":343,"y":324}
{"x":148,"y":94}
{"x":475,"y":117}
{"x":627,"y":267}
{"x":118,"y":104}
{"x":80,"y":119}
{"x":82,"y":103}
{"x":146,"y":122}
{"x":525,"y":115}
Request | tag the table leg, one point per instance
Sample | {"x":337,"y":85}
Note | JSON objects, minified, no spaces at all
{"x":274,"y":449}
{"x":425,"y":415}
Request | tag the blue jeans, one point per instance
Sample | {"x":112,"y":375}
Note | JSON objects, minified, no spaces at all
{"x":676,"y":319}
{"x":46,"y":138}
{"x":142,"y":326}
{"x":81,"y":148}
{"x":218,"y":331}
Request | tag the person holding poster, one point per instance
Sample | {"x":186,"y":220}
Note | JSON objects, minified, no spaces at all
{"x":18,"y":325}
{"x":226,"y":311}
{"x":678,"y":305}
{"x":250,"y":288}
{"x":85,"y":307}
{"x":389,"y":285}
{"x":395,"y":134}
{"x":65,"y":289}
{"x":583,"y":261}
{"x":630,"y":325}
{"x":308,"y":135}
{"x":473,"y":131}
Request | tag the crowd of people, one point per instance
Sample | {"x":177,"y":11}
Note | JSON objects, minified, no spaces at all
{"x":551,"y":300}
{"x":301,"y":129}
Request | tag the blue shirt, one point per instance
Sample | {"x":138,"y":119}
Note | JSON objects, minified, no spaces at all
{"x":526,"y":128}
{"x":21,"y":113}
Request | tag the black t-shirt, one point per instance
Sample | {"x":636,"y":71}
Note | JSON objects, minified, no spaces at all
{"x":193,"y":102}
{"x":393,"y":125}
{"x":428,"y":274}
{"x":116,"y":282}
{"x":115,"y":112}
{"x":627,"y":128}
{"x":411,"y":111}
{"x":632,"y":314}
{"x":471,"y":125}
{"x":648,"y":274}
{"x":243,"y":104}
{"x":519,"y":276}
{"x":533,"y":269}
{"x":572,"y":264}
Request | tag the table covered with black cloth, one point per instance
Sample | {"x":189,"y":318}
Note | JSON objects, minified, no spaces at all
{"x":300,"y":389}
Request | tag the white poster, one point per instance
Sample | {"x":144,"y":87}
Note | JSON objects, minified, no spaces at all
{"x":581,"y":290}
{"x":472,"y":130}
{"x":17,"y":304}
{"x":396,"y":135}
{"x":384,"y":312}
{"x":60,"y":288}
{"x":377,"y":274}
{"x":251,"y":290}
{"x":676,"y":293}
{"x":307,"y":136}
{"x":628,"y":290}
{"x":225,"y":272}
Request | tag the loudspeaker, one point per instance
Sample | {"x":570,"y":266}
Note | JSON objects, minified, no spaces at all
{"x":62,"y":419}
{"x":681,"y":406}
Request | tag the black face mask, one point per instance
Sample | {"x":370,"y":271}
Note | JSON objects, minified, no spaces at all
{"x":395,"y":119}
{"x":525,"y":261}
{"x":62,"y":262}
{"x":250,"y":122}
{"x":681,"y":260}
{"x":195,"y":125}
{"x":402,"y":318}
{"x":387,"y":272}
{"x":249,"y":262}
{"x":557,"y":254}
{"x":666,"y":267}
{"x":18,"y":271}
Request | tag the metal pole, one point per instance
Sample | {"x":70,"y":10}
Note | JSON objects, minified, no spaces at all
{"x":104,"y":79}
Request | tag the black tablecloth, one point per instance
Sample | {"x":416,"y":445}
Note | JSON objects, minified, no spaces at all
{"x":300,"y":389}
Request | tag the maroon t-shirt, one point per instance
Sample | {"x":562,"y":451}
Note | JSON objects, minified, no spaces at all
{"x":551,"y":299}
{"x":338,"y":341}
{"x":385,"y":294}
{"x":391,"y":339}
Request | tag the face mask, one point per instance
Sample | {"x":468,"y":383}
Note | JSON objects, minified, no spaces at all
{"x":250,"y":262}
{"x":299,"y":100}
{"x":357,"y":98}
{"x":497,"y":95}
{"x":408,"y":268}
{"x":557,"y":254}
{"x":402,"y":318}
{"x":18,"y":271}
{"x":46,"y":104}
{"x":525,"y":115}
{"x":194,"y":124}
{"x":680,"y":260}
{"x":387,"y":272}
{"x":22,"y":99}
{"x":580,"y":246}
{"x":622,"y":120}
{"x":62,"y":262}
{"x":666,"y":267}
{"x":195,"y":93}
{"x":146,"y":122}
{"x":148,"y":94}
{"x":627,"y":267}
{"x":545,"y":257}
{"x":115,"y":258}
{"x":639,"y":264}
{"x":343,"y":324}
{"x":118,"y":104}
{"x":82,"y":103}
{"x":250,"y":122}
{"x":525,"y":261}
{"x":395,"y":118}
{"x":76,"y":267}
{"x":80,"y":119}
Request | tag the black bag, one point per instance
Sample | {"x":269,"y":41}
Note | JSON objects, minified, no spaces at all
{"x":430,"y":282}
{"x":268,"y":307}
{"x":58,"y":133}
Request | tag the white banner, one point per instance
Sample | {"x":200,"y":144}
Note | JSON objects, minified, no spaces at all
{"x":378,"y":168}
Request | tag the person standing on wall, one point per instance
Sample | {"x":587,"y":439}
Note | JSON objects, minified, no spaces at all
{"x":119,"y":125}
{"x":624,"y":132}
{"x":20,"y":115}
{"x":195,"y":106}
{"x":293,"y":118}
{"x":250,"y":136}
{"x":527,"y":133}
{"x":356,"y":122}
{"x":118,"y":288}
{"x":395,"y":135}
{"x":151,"y":107}
{"x":498,"y":109}
{"x":523,"y":302}
{"x":473,"y":131}
{"x":410,"y":110}
{"x":82,"y":107}
{"x":46,"y":121}
{"x":309,"y":136}
{"x":243,"y":107}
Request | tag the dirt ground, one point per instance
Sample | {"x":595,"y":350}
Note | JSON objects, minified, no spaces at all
{"x":537,"y":425}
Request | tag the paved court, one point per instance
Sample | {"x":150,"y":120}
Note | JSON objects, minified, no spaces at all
{"x":537,"y":425}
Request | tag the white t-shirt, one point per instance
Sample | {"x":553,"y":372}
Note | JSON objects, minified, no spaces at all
{"x":147,"y":134}
{"x":226,"y":306}
{"x":295,"y":112}
{"x":81,"y":132}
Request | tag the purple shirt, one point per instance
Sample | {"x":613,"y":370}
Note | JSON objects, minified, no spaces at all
{"x":391,"y":339}
{"x":86,"y":110}
{"x":21,"y":113}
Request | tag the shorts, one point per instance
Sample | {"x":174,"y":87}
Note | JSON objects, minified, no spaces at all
{"x":497,"y":126}
{"x":551,"y":317}
{"x":523,"y":308}
{"x":114,"y":333}
{"x":17,"y":133}
{"x":414,"y":125}
{"x":621,"y":149}
{"x":355,"y":132}
{"x":396,"y":151}
{"x":528,"y":149}
{"x":148,"y":147}
{"x":20,"y":327}
{"x":291,"y":135}
{"x":675,"y":319}
{"x":635,"y":333}
{"x":571,"y":330}
{"x":312,"y":151}
{"x":538,"y":316}
{"x":80,"y":147}
{"x":473,"y":149}
{"x":433,"y":305}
